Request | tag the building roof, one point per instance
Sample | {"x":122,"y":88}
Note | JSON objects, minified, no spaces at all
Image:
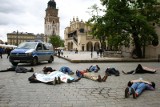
{"x":52,"y":4}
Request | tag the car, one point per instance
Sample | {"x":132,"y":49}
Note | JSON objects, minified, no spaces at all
{"x":32,"y":52}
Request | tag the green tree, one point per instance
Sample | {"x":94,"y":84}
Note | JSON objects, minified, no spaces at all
{"x":124,"y":18}
{"x":56,"y":41}
{"x":133,"y":17}
{"x":97,"y":25}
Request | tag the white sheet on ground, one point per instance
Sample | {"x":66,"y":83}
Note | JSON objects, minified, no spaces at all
{"x":50,"y":77}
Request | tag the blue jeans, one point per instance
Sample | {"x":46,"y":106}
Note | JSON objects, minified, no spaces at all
{"x":93,"y":69}
{"x":139,"y":87}
{"x":65,"y":70}
{"x":79,"y":74}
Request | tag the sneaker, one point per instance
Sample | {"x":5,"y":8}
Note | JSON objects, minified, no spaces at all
{"x":99,"y":78}
{"x":107,"y":73}
{"x":69,"y":81}
{"x":127,"y":92}
{"x":104,"y":78}
{"x":54,"y":81}
{"x":32,"y":70}
{"x":134,"y":93}
{"x":76,"y":80}
{"x":59,"y":80}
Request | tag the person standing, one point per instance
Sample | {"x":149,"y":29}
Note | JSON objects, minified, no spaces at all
{"x":8,"y":50}
{"x":97,"y":53}
{"x":1,"y":52}
{"x":91,"y":52}
{"x":101,"y":52}
{"x":59,"y":52}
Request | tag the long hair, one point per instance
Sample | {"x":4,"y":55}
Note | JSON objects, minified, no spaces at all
{"x":153,"y":85}
{"x":130,"y":84}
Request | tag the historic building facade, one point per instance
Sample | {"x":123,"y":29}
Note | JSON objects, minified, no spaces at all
{"x":16,"y":37}
{"x":51,"y":21}
{"x":77,"y":37}
{"x":1,"y":42}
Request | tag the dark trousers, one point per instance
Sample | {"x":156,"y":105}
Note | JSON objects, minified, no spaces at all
{"x":8,"y":69}
{"x":140,"y":70}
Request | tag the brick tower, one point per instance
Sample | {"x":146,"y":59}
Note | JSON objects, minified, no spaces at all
{"x":51,"y":21}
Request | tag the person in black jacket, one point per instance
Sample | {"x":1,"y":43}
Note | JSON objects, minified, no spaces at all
{"x":109,"y":71}
{"x":140,"y":70}
{"x":18,"y":69}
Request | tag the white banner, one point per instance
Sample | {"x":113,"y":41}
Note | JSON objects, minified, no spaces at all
{"x":50,"y":77}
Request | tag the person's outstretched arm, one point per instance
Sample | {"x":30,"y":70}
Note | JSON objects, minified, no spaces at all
{"x":141,"y":80}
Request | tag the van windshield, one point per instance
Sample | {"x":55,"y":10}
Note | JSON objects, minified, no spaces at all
{"x":27,"y":45}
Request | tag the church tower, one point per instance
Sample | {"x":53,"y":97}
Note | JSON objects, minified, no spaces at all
{"x":51,"y":21}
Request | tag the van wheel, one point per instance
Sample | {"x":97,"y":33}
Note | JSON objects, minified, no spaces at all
{"x":50,"y":59}
{"x":14,"y":63}
{"x":35,"y":61}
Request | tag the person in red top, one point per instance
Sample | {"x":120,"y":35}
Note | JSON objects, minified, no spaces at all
{"x":90,"y":75}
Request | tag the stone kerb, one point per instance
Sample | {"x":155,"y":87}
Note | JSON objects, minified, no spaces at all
{"x":112,"y":54}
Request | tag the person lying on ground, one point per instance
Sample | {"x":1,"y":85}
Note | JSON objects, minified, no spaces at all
{"x":136,"y":87}
{"x":18,"y":69}
{"x":109,"y":71}
{"x":141,"y":69}
{"x":47,"y":70}
{"x":63,"y":69}
{"x":66,"y":69}
{"x":94,"y":68}
{"x":55,"y":77}
{"x":90,"y":75}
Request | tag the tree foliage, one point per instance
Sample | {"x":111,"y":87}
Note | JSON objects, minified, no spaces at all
{"x":97,"y":24}
{"x":56,"y":41}
{"x":124,"y":19}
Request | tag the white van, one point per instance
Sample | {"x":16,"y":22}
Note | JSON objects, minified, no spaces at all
{"x":32,"y":52}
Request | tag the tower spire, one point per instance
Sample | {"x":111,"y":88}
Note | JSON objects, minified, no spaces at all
{"x":52,"y":4}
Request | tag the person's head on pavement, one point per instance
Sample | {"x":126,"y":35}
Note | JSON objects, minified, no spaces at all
{"x":47,"y":70}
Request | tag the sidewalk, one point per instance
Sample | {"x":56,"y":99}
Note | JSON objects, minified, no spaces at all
{"x":85,"y":57}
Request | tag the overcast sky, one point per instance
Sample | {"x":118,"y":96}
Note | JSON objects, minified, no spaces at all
{"x":28,"y":15}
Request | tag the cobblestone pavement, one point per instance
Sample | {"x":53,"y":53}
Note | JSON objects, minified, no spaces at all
{"x":16,"y":91}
